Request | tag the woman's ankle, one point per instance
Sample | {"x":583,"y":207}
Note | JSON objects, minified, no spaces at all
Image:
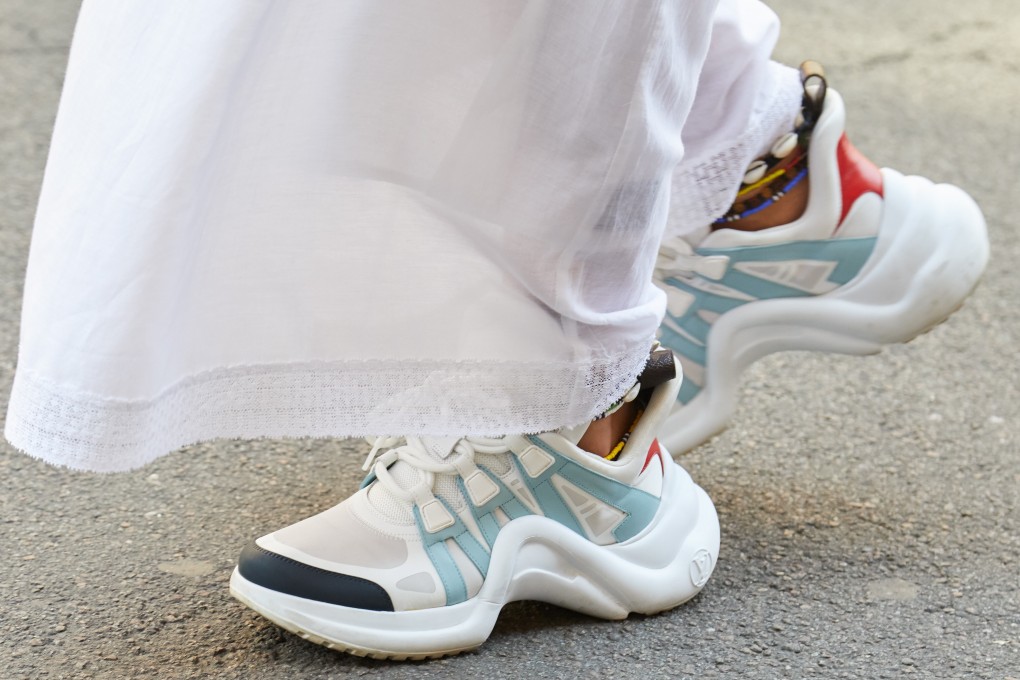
{"x":605,"y":434}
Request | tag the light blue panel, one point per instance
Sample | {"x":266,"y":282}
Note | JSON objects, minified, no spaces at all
{"x":435,"y":546}
{"x":760,"y":289}
{"x":452,"y":531}
{"x":483,"y":515}
{"x":824,"y":249}
{"x":849,"y":253}
{"x":688,"y":390}
{"x":475,"y":552}
{"x":548,"y":498}
{"x":720,"y":304}
{"x":490,"y":528}
{"x":853,"y":256}
{"x":639,"y":505}
{"x":453,"y":582}
{"x":505,"y":499}
{"x":514,"y":509}
{"x":554,"y":508}
{"x":849,"y":256}
{"x":682,"y":345}
{"x":504,"y":495}
{"x":696,"y":326}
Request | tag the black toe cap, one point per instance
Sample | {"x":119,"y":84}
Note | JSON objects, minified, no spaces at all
{"x":289,"y":576}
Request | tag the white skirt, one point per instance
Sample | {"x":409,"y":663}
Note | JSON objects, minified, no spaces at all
{"x":339,"y":218}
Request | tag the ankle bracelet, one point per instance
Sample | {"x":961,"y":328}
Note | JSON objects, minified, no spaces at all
{"x":770,"y":178}
{"x":626,"y":436}
{"x":759,"y":194}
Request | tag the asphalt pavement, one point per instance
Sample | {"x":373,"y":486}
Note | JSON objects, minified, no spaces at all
{"x":869,"y":506}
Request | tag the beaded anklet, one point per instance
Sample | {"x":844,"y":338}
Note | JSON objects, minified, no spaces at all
{"x":763,"y":192}
{"x":768,"y":179}
{"x":626,"y":435}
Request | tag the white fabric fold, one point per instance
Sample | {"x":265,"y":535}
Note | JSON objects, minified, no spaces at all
{"x":339,"y":218}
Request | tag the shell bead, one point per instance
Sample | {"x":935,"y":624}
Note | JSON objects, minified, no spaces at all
{"x":755,"y":171}
{"x":785,"y":145}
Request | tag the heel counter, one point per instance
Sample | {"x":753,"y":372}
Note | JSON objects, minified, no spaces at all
{"x":858,"y":176}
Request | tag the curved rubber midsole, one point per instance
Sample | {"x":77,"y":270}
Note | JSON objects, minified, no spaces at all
{"x":534,"y":558}
{"x":931,"y":250}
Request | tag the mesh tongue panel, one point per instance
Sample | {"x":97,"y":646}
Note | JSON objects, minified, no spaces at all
{"x":498,"y":464}
{"x":405,"y":475}
{"x":389,"y":506}
{"x":446,"y":488}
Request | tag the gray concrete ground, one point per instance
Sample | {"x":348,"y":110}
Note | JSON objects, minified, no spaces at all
{"x":869,"y":506}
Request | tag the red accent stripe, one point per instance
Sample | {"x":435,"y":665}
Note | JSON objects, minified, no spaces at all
{"x":654,"y":451}
{"x":857,"y":175}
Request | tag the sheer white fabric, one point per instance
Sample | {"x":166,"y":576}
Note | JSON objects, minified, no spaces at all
{"x":341,"y":218}
{"x":743,"y":103}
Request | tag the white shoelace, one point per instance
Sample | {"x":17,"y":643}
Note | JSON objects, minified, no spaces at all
{"x":416,"y":454}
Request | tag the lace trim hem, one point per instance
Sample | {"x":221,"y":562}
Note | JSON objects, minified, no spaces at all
{"x":322,"y":399}
{"x":704,"y":188}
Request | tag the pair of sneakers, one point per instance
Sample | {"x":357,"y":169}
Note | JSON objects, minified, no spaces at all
{"x":443,"y":533}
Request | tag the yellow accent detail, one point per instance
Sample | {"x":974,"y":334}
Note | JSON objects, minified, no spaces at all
{"x":626,"y":435}
{"x":616,"y":450}
{"x":762,"y":182}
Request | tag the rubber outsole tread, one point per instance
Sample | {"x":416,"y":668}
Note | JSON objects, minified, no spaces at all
{"x":340,"y":647}
{"x":381,"y":656}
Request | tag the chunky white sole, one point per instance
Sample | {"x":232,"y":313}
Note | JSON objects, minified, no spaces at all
{"x":534,"y":558}
{"x":931,"y":250}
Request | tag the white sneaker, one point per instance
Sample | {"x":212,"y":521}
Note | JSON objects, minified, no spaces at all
{"x":877,"y":258}
{"x":419,"y":562}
